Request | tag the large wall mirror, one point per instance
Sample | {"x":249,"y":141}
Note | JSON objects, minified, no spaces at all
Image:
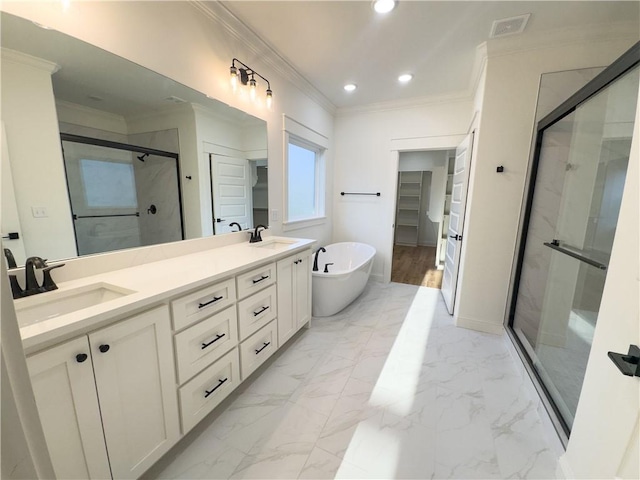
{"x":100,"y":154}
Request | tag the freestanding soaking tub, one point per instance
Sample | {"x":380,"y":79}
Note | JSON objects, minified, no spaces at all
{"x":346,"y":279}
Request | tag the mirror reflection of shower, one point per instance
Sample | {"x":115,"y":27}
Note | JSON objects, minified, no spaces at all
{"x":122,"y":195}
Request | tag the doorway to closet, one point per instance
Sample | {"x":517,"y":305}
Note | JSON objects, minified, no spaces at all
{"x":422,"y":216}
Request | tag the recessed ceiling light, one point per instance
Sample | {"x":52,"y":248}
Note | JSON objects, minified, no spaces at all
{"x":384,"y":6}
{"x":405,"y":77}
{"x":350,"y":87}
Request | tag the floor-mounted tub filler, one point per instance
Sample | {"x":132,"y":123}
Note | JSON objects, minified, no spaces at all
{"x":343,"y":272}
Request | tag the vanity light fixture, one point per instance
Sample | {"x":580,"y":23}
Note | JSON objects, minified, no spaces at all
{"x":350,"y":87}
{"x":405,"y":77}
{"x":384,"y":6}
{"x":247,"y":76}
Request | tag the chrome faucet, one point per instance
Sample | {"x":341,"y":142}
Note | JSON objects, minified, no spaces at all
{"x":315,"y":260}
{"x":235,"y":223}
{"x":255,"y":236}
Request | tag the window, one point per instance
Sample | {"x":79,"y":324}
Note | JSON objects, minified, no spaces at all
{"x":108,"y":184}
{"x":305,"y":185}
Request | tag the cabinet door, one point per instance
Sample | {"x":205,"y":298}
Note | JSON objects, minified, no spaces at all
{"x":302,"y":287}
{"x":286,"y":320}
{"x":65,"y":393}
{"x":134,"y":370}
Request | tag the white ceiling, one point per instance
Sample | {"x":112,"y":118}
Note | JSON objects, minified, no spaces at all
{"x":332,"y":43}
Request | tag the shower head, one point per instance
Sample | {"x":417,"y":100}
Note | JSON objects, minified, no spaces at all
{"x":142,"y":157}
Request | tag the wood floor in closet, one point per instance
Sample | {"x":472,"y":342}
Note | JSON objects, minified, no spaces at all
{"x":415,"y":266}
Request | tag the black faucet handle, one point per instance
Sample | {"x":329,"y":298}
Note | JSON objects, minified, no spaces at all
{"x":326,"y":267}
{"x":47,"y":281}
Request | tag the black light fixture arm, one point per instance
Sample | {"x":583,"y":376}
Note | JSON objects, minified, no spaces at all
{"x":249,"y":71}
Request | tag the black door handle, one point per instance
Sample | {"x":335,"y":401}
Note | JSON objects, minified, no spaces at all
{"x":628,"y":364}
{"x":456,"y":237}
{"x":220,"y":220}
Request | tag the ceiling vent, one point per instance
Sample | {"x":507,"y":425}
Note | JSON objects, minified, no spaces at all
{"x":509,"y":26}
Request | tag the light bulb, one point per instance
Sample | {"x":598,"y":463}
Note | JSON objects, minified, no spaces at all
{"x":350,"y":87}
{"x":384,"y":6}
{"x":269,"y":98}
{"x":234,"y":78}
{"x":252,"y":88}
{"x":404,"y":78}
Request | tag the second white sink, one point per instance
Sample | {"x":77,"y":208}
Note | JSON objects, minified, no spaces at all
{"x":274,"y":244}
{"x":44,"y":306}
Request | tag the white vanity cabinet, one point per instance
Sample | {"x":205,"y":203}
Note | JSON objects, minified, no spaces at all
{"x":294,"y":294}
{"x":130,"y":365}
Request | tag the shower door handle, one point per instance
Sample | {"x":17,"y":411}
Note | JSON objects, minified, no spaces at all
{"x":628,"y":364}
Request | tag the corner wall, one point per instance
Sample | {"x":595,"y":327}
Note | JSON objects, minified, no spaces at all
{"x":504,"y":138}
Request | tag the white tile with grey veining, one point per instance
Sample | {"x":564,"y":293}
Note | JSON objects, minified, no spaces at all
{"x":388,"y":388}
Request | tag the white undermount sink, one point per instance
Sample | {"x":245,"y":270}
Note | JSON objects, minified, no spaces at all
{"x":45,"y":306}
{"x":274,"y":243}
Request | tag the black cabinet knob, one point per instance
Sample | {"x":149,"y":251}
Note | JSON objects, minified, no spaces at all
{"x":104,"y":348}
{"x":81,"y":357}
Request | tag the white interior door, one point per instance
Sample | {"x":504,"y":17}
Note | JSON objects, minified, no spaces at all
{"x":231,"y":183}
{"x":9,"y":219}
{"x":456,"y":221}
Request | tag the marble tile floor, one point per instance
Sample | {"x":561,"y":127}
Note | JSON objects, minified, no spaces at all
{"x":388,"y":388}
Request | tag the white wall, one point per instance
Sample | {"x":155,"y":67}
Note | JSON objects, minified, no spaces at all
{"x":197,"y":53}
{"x":33,"y":141}
{"x":505,"y":132}
{"x":365,"y":162}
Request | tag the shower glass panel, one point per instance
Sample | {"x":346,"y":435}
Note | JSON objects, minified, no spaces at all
{"x":576,"y":193}
{"x":120,"y":198}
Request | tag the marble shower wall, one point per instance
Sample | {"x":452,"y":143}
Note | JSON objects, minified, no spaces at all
{"x":157,"y":184}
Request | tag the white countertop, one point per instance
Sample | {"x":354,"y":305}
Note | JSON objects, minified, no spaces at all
{"x":153,"y":283}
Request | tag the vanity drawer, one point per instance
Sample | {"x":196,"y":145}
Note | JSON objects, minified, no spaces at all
{"x":198,"y":305}
{"x":256,"y":279}
{"x":204,"y":342}
{"x":256,"y":311}
{"x":256,"y":349}
{"x":205,"y":391}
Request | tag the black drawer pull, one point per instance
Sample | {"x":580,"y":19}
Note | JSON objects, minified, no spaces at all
{"x":264,"y":345}
{"x":296,"y":261}
{"x":263,"y":277}
{"x":215,"y":299}
{"x":218,"y":337}
{"x":81,"y":357}
{"x":104,"y":348}
{"x":209,"y":392}
{"x":255,"y":314}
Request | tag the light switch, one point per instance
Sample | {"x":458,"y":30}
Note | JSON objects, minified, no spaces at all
{"x":274,"y":215}
{"x":39,"y":212}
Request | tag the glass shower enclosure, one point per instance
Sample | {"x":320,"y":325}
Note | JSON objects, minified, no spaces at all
{"x":571,"y":213}
{"x":121,"y":196}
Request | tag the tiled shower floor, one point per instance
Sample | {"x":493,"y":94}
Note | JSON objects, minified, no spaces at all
{"x":388,"y":388}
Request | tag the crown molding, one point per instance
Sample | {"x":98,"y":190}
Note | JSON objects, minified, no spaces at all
{"x":414,"y":102}
{"x":595,"y":33}
{"x":219,"y":13}
{"x":9,"y":55}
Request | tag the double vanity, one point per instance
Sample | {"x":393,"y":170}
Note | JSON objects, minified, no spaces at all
{"x":125,"y":363}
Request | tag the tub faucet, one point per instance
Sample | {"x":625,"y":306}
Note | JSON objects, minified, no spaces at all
{"x":255,"y":236}
{"x":235,"y":223}
{"x":315,"y":260}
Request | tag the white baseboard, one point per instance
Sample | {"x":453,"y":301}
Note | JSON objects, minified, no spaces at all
{"x":427,"y":244}
{"x":495,"y":328}
{"x":377,"y":277}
